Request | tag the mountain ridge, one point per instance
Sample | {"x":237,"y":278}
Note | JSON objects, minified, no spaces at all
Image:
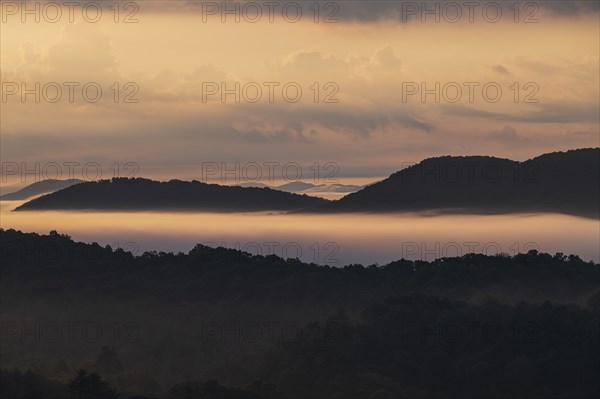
{"x":40,"y":187}
{"x":563,"y":182}
{"x":557,"y":182}
{"x":145,"y":194}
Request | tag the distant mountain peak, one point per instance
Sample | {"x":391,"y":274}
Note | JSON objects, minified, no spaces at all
{"x":38,"y":188}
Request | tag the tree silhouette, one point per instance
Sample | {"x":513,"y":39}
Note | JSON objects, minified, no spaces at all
{"x":90,"y":386}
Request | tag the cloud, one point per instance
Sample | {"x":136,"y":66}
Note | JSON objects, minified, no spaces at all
{"x":386,"y":57}
{"x":370,"y":11}
{"x":82,"y":53}
{"x":302,"y":62}
{"x":171,"y":86}
{"x":546,"y":113}
{"x":82,"y":48}
{"x":404,"y":11}
{"x":269,"y":123}
{"x":508,"y":136}
{"x":500,"y":69}
{"x":413,"y":11}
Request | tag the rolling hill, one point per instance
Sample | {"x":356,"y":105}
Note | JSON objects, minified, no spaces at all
{"x":38,"y":188}
{"x":562,"y":182}
{"x":143,"y":194}
{"x":559,"y":182}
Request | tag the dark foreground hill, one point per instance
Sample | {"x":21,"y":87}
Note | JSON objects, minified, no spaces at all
{"x":144,"y":194}
{"x":165,"y":325}
{"x":41,"y":187}
{"x":562,"y":182}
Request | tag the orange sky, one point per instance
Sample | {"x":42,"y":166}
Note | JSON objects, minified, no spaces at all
{"x":170,"y":60}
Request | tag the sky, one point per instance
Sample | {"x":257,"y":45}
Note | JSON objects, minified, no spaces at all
{"x":345,"y":91}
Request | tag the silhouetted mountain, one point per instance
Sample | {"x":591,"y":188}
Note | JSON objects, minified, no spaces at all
{"x":333,"y":188}
{"x":254,"y":184}
{"x":295,"y":187}
{"x":144,"y":194}
{"x":41,"y":187}
{"x":563,"y":182}
{"x":300,"y":187}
